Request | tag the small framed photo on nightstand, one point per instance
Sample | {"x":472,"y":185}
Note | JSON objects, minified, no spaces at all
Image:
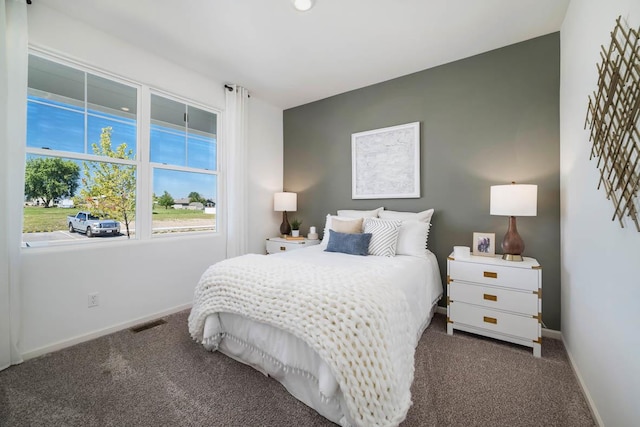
{"x":484,"y":244}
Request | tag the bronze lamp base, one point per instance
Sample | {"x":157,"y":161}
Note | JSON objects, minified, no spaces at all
{"x":285,"y":227}
{"x":512,"y":244}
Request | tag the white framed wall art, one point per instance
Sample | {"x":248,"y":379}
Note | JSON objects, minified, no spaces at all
{"x":385,"y":163}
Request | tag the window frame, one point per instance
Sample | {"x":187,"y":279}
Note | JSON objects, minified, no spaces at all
{"x":156,"y":165}
{"x":142,"y":161}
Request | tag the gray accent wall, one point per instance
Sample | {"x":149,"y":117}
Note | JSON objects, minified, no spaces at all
{"x":485,"y":120}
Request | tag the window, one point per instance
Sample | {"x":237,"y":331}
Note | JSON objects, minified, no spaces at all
{"x":68,"y":108}
{"x":85,"y":153}
{"x":184,"y":162}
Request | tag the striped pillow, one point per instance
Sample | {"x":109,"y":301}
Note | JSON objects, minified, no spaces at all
{"x":384,"y":236}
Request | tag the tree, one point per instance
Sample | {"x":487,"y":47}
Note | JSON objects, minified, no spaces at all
{"x":110,"y":188}
{"x":48,"y":178}
{"x":194,"y":196}
{"x":166,"y":200}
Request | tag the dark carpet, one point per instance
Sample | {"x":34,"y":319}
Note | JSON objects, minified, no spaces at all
{"x":160,"y":377}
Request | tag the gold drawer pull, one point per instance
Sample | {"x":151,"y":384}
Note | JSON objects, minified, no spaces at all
{"x":491,"y":274}
{"x":490,"y":320}
{"x":283,"y":248}
{"x":491,"y":297}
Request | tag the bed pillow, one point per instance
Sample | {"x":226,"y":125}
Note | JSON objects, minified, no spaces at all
{"x":347,"y":226}
{"x":349,"y":243}
{"x":406,"y":240}
{"x":328,"y":226}
{"x":412,"y":238}
{"x":424,"y":216}
{"x":384,"y":236}
{"x":360,"y":214}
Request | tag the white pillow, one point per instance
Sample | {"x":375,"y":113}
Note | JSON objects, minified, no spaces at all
{"x":359,"y":214}
{"x":327,"y":227}
{"x":384,"y":236}
{"x":412,"y":239}
{"x":424,"y":216}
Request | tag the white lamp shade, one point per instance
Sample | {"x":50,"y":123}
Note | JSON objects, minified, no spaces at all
{"x":285,"y":202}
{"x":302,"y":5}
{"x":514,"y":200}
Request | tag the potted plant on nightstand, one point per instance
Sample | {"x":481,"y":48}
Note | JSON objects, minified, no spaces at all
{"x":295,"y":227}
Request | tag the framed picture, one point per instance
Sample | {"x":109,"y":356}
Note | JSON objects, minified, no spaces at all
{"x":385,"y":163}
{"x":484,"y":244}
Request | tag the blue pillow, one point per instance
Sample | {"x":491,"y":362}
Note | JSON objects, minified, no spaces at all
{"x":349,"y":243}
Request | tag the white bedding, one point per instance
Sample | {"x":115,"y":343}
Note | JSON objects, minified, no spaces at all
{"x":295,"y":364}
{"x":418,"y":278}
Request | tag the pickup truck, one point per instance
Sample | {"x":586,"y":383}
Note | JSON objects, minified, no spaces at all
{"x":91,"y":225}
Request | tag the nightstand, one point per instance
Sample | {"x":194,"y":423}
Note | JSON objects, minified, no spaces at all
{"x":279,"y":244}
{"x":496,"y":298}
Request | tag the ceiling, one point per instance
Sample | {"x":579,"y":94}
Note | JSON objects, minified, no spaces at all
{"x":289,"y":58}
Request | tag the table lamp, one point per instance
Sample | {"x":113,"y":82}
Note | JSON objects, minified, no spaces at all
{"x":283,"y":202}
{"x":513,"y":200}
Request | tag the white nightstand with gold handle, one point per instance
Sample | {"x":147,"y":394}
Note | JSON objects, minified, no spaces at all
{"x":496,"y":298}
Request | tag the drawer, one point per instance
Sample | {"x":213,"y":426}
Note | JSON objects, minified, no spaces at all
{"x":275,"y":247}
{"x":513,"y":277}
{"x":495,"y":321}
{"x":524,"y":302}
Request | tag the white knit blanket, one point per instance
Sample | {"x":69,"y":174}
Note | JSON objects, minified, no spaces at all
{"x":353,"y":318}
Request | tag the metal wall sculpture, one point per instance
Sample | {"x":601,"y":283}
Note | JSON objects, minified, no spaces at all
{"x":612,"y":119}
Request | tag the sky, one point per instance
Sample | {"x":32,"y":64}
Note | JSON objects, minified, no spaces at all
{"x":59,"y":126}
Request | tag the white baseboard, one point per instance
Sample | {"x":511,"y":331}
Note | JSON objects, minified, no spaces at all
{"x":102,"y":332}
{"x":551,"y":333}
{"x":585,"y":391}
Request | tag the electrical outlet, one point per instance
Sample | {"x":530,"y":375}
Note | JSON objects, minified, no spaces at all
{"x":93,"y":300}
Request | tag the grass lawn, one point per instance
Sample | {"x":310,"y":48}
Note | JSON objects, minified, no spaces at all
{"x":39,"y":219}
{"x":162,"y":214}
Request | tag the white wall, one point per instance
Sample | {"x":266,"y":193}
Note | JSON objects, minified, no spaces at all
{"x":136,"y":280}
{"x":600,"y":260}
{"x":266,"y":172}
{"x":5,"y":318}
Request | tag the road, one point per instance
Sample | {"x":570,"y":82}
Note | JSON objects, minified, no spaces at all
{"x":58,"y":237}
{"x":52,"y":238}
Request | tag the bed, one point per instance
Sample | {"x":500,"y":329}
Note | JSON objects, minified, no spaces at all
{"x":351,"y":311}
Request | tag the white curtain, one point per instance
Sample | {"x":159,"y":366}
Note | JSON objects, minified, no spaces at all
{"x":13,"y":117}
{"x":235,"y":146}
